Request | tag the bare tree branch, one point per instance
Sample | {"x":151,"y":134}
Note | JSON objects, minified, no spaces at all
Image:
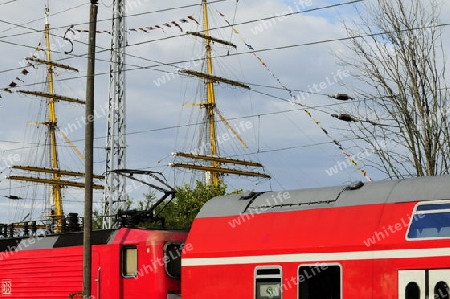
{"x":402,"y":74}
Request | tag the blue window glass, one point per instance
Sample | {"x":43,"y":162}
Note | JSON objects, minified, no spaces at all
{"x":430,"y":221}
{"x":429,"y":207}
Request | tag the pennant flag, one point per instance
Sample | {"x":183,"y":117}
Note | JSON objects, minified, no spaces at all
{"x":193,"y":19}
{"x":18,"y":79}
{"x":32,"y":65}
{"x":25,"y":72}
{"x":145,"y":29}
{"x":12,"y":84}
{"x":176,"y":24}
{"x":337,"y":143}
{"x":250,"y":47}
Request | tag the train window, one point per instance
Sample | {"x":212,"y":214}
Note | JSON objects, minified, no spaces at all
{"x":268,"y":282}
{"x":319,"y":281}
{"x":441,"y":290}
{"x":129,"y":261}
{"x":412,"y":291}
{"x":430,"y":220}
{"x":172,"y":259}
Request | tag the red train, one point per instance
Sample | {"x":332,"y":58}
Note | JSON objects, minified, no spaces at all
{"x":126,"y":264}
{"x":383,"y":240}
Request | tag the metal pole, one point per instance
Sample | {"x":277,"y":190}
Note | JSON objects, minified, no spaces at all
{"x":89,"y":148}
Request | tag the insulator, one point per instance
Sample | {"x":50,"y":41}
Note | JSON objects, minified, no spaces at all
{"x":340,"y":96}
{"x":344,"y":117}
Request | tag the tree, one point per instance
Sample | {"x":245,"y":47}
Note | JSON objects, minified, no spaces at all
{"x":399,"y":63}
{"x":97,"y":218}
{"x":181,"y":212}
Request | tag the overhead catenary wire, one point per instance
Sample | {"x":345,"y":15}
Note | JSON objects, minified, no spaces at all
{"x":165,"y":38}
{"x":33,"y":145}
{"x":179,"y":62}
{"x":299,"y":103}
{"x":101,"y":20}
{"x":174,"y":64}
{"x":39,"y":19}
{"x":304,"y":44}
{"x":7,"y":2}
{"x":197,"y":4}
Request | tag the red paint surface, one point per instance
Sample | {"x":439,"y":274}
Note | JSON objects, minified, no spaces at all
{"x":57,"y":273}
{"x":323,"y":230}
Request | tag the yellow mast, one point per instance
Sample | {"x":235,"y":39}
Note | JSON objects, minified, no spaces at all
{"x":211,"y":98}
{"x":56,"y":182}
{"x":58,"y":213}
{"x":215,"y":169}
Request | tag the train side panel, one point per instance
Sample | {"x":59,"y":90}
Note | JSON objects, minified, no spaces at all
{"x":41,"y":274}
{"x":354,"y":251}
{"x":130,"y":264}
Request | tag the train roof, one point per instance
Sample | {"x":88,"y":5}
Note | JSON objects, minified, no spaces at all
{"x":99,"y":237}
{"x":387,"y":191}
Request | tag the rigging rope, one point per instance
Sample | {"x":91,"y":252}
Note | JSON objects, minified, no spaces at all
{"x":348,"y":155}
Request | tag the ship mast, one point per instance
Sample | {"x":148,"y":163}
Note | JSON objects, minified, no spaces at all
{"x":56,"y":182}
{"x":210,"y":95}
{"x":215,"y":169}
{"x":52,"y":124}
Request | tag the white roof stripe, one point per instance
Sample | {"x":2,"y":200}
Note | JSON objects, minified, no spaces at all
{"x":318,"y":257}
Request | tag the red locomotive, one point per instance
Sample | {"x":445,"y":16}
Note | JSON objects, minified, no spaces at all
{"x":126,"y":263}
{"x":384,"y":240}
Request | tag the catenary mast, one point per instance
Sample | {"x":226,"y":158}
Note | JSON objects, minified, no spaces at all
{"x":115,"y":197}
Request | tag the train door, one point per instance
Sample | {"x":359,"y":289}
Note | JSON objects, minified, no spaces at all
{"x":423,"y":284}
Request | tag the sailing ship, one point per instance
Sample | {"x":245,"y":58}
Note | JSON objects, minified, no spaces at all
{"x":51,"y":181}
{"x":205,"y":156}
{"x":45,"y":181}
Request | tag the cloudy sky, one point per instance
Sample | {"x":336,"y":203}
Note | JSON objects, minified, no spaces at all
{"x":160,"y":116}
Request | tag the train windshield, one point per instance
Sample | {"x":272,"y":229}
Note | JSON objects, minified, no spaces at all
{"x":430,"y":221}
{"x":172,"y":259}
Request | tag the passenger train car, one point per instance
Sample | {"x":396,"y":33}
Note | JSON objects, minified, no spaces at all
{"x":384,"y":240}
{"x":126,"y":264}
